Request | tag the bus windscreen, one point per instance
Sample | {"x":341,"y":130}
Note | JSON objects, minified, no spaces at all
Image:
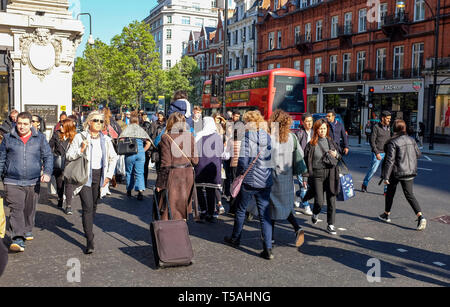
{"x":289,"y":94}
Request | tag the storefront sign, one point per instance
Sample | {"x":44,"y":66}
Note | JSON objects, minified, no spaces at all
{"x":417,"y":85}
{"x":342,"y":89}
{"x":410,"y":87}
{"x":392,"y":88}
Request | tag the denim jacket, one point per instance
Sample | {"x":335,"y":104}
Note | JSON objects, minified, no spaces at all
{"x":21,"y":164}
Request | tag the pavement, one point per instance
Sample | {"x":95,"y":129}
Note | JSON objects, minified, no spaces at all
{"x":439,"y":149}
{"x":364,"y":249}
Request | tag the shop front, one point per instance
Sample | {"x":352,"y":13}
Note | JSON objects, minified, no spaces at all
{"x":403,"y":100}
{"x":5,"y":92}
{"x":313,"y":100}
{"x":344,"y":100}
{"x":442,"y":118}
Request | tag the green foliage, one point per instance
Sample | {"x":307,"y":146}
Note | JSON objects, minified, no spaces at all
{"x":128,"y":72}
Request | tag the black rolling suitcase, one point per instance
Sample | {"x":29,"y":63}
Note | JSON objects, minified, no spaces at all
{"x":170,"y":239}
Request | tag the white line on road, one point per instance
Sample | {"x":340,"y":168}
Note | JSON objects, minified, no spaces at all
{"x":428,"y":158}
{"x":401,"y":250}
{"x":369,"y":239}
{"x":439,"y":263}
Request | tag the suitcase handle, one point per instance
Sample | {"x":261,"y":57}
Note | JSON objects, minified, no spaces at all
{"x":156,"y":205}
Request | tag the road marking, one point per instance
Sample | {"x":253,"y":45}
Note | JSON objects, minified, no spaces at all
{"x":425,"y":169}
{"x":439,"y":263}
{"x":342,"y":229}
{"x":369,"y":239}
{"x":401,"y":250}
{"x":428,"y":158}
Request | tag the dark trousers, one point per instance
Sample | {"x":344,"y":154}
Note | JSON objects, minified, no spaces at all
{"x":22,"y":203}
{"x":322,"y":185}
{"x":3,"y":256}
{"x":262,"y":197}
{"x":229,"y":177}
{"x":89,"y":198}
{"x":207,"y":200}
{"x":407,"y":186}
{"x":146,"y":164}
{"x":63,"y":188}
{"x":291,"y":219}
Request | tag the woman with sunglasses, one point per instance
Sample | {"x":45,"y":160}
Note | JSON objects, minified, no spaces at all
{"x":102,"y":160}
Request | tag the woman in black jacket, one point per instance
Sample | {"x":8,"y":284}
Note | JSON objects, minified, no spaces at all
{"x":325,"y":176}
{"x":59,"y":144}
{"x":400,"y":166}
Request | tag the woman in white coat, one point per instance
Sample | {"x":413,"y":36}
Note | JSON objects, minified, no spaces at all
{"x":102,"y":160}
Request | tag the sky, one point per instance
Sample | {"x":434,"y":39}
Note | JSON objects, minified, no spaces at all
{"x":109,"y":17}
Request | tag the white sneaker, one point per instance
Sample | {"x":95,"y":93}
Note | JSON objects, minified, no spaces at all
{"x":297,"y":204}
{"x":306,"y":211}
{"x":331,"y":230}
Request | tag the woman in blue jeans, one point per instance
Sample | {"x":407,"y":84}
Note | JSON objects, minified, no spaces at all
{"x":134,"y":164}
{"x":256,"y":147}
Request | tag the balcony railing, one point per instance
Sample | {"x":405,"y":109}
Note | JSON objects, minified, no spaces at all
{"x":396,"y":19}
{"x":367,"y":75}
{"x":346,"y":29}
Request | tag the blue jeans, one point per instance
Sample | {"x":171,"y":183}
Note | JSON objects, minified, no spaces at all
{"x":302,"y":193}
{"x":134,"y":166}
{"x":375,"y":163}
{"x":262,"y":197}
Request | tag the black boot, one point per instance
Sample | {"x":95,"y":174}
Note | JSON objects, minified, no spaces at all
{"x":267,"y":254}
{"x":89,"y":247}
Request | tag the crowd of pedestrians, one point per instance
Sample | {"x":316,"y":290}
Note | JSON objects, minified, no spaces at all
{"x":197,"y":158}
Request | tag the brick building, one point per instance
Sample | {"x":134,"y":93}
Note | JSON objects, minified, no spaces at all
{"x":345,"y":50}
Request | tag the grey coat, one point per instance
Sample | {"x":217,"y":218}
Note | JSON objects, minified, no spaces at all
{"x":282,"y":194}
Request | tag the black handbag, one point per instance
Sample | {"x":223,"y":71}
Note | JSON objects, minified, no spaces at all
{"x":127,"y":146}
{"x":59,"y":162}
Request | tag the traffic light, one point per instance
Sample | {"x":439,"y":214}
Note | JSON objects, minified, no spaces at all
{"x":370,"y":96}
{"x":220,"y":87}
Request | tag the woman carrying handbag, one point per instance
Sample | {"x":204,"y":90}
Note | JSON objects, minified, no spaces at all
{"x":255,"y":166}
{"x":101,"y":163}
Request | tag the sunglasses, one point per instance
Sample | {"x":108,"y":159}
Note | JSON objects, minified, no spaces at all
{"x":101,"y":121}
{"x":35,"y":121}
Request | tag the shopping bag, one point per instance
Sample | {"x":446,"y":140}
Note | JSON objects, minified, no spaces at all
{"x":346,"y":189}
{"x":120,"y":168}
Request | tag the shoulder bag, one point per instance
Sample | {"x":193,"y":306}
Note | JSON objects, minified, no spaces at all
{"x":127,"y":146}
{"x":237,"y":183}
{"x":77,"y":171}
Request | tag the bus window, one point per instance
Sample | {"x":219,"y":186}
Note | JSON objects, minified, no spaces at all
{"x":207,"y":89}
{"x":245,"y":84}
{"x":260,"y":82}
{"x":289,"y":94}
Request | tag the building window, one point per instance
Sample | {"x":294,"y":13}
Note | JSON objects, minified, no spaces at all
{"x":231,"y":64}
{"x":361,"y":57}
{"x":334,"y":26}
{"x":297,"y":34}
{"x":275,"y":5}
{"x":419,"y":10}
{"x":236,"y":37}
{"x":307,"y":68}
{"x":297,"y":65}
{"x":308,"y":32}
{"x":271,"y":66}
{"x":348,"y":23}
{"x":169,"y":34}
{"x":168,"y":64}
{"x":382,"y":14}
{"x":319,"y":30}
{"x":399,"y":53}
{"x":186,"y":20}
{"x":169,"y":19}
{"x":279,"y":40}
{"x":246,"y":64}
{"x":381,"y":63}
{"x":238,"y":63}
{"x":317,"y":68}
{"x":278,"y":65}
{"x":199,"y":22}
{"x":417,"y":59}
{"x":303,"y":3}
{"x":346,"y":66}
{"x":362,"y":24}
{"x":271,"y":38}
{"x":214,"y":3}
{"x":333,"y":67}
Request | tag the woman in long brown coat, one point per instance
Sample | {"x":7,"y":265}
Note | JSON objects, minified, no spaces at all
{"x":176,"y":174}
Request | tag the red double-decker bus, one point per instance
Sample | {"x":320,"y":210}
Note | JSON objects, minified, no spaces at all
{"x":266,"y":91}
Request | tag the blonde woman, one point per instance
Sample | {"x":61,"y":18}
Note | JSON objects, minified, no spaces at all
{"x":102,"y":160}
{"x":255,"y":156}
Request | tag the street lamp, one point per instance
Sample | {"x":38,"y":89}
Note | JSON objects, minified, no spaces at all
{"x":224,"y":54}
{"x":432,"y":107}
{"x":91,"y":40}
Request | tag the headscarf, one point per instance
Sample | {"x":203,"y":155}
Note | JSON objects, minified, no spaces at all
{"x":209,"y":127}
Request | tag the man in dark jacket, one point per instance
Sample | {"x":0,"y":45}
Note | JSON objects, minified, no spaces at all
{"x":338,"y":132}
{"x":381,"y":133}
{"x":23,"y":153}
